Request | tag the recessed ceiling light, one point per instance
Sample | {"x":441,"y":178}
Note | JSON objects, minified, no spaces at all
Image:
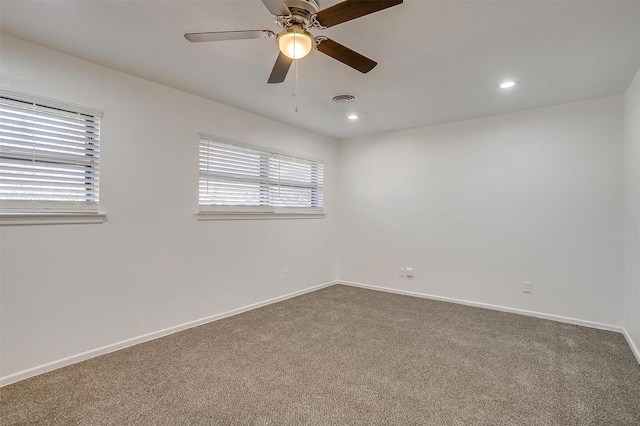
{"x":352,"y":116}
{"x":507,"y":84}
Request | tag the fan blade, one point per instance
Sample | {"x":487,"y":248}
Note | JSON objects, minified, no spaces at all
{"x":351,"y":9}
{"x":345,"y":55}
{"x":228,"y":35}
{"x":280,"y":69}
{"x":277,"y":7}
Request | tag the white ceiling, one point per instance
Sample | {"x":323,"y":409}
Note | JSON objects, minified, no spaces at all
{"x":438,"y":61}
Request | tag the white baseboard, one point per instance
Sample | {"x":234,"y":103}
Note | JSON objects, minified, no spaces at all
{"x":542,"y":315}
{"x":21,"y":375}
{"x":632,"y":345}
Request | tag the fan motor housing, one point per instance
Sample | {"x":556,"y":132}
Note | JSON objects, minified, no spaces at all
{"x":304,"y":8}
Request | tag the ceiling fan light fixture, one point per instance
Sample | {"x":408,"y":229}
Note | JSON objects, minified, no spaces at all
{"x":295,"y":43}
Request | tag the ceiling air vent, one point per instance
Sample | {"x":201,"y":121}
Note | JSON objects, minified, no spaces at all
{"x":345,"y":97}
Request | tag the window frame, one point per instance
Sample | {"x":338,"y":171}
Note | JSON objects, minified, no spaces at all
{"x":242,"y":212}
{"x":29,"y":212}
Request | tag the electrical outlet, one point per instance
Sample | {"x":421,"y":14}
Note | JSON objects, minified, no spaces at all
{"x":286,"y":274}
{"x":527,"y":287}
{"x":410,"y":272}
{"x":402,"y":272}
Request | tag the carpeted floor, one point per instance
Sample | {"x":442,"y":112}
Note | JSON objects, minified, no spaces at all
{"x":347,"y":356}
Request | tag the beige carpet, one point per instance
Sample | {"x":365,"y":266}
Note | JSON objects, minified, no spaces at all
{"x":347,"y":356}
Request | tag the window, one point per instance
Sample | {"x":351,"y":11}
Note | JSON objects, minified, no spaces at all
{"x":49,"y":156}
{"x":241,"y":179}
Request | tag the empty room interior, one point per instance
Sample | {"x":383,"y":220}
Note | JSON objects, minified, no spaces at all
{"x":319,"y":212}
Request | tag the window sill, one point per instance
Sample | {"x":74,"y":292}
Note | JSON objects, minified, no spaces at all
{"x":256,"y":216}
{"x":50,"y":218}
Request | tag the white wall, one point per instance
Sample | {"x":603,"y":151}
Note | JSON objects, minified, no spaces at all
{"x":632,"y":212}
{"x":477,"y":207}
{"x":66,"y":289}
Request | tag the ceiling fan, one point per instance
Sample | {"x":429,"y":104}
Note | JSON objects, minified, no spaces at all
{"x":295,"y":18}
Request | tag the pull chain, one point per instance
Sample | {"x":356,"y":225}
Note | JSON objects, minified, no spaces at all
{"x":295,"y":83}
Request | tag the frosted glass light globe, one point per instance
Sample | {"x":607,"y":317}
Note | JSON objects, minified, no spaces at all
{"x":295,"y":43}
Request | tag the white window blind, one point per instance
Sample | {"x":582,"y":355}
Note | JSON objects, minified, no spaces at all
{"x":236,"y":178}
{"x":49,"y":155}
